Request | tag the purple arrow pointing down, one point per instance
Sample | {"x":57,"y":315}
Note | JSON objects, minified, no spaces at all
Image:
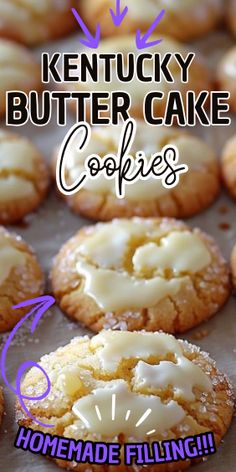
{"x":142,"y":42}
{"x":118,"y":15}
{"x":91,"y":41}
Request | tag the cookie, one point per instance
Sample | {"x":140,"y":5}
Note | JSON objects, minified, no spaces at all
{"x":229,"y":166}
{"x":21,"y":278}
{"x":233,"y":265}
{"x":146,"y":198}
{"x":231,"y":16}
{"x":153,"y":274}
{"x":183,"y":20}
{"x":181,"y":385}
{"x":33,"y":22}
{"x":199,"y":77}
{"x":18,"y":71}
{"x":24,"y":177}
{"x":227,"y":76}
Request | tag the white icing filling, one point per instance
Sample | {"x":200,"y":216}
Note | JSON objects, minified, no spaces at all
{"x":26,"y":9}
{"x":229,"y":63}
{"x":112,"y":346}
{"x":182,"y":376}
{"x":113,"y":288}
{"x":179,"y":251}
{"x":230,"y":69}
{"x":13,"y":187}
{"x":116,"y":291}
{"x":112,"y":408}
{"x":9,"y":259}
{"x":17,"y":155}
{"x":149,"y":10}
{"x":106,"y":247}
{"x":13,"y":55}
{"x":93,"y":410}
{"x":69,"y":381}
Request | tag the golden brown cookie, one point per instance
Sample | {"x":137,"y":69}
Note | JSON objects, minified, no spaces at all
{"x":181,"y":385}
{"x":227,"y":76}
{"x":199,"y":77}
{"x":18,"y":71}
{"x":233,"y":265}
{"x":184,"y":19}
{"x":153,"y":274}
{"x":229,"y":166}
{"x":97,"y":200}
{"x":24,"y":177}
{"x":21,"y":278}
{"x":33,"y":22}
{"x":231,"y":15}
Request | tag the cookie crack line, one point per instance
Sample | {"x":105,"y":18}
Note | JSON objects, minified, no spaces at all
{"x":164,"y":395}
{"x":175,"y":402}
{"x":189,"y":415}
{"x":180,"y":275}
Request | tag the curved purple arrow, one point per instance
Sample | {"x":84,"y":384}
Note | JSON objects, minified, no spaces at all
{"x":91,"y":41}
{"x":118,"y":15}
{"x":142,"y":42}
{"x":41,"y":305}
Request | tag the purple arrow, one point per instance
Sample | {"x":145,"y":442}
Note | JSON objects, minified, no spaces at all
{"x":118,"y":15}
{"x":91,"y":41}
{"x":142,"y":42}
{"x":40,"y":306}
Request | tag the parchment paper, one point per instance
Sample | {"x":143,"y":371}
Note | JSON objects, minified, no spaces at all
{"x":54,"y":224}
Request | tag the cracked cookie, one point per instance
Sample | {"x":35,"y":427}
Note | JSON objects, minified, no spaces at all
{"x":145,"y":198}
{"x":21,"y":278}
{"x":183,"y":20}
{"x":153,"y":274}
{"x":178,"y":384}
{"x":199,"y":78}
{"x":33,"y":22}
{"x":227,"y":76}
{"x":24,"y":177}
{"x":18,"y":71}
{"x":229,"y":166}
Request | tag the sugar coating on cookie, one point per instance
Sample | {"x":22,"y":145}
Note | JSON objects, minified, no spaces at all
{"x":199,"y":78}
{"x":183,"y":20}
{"x":21,"y":278}
{"x":18,"y":71}
{"x":101,"y":388}
{"x":229,"y":166}
{"x":146,"y":198}
{"x":140,"y":274}
{"x":24,"y":177}
{"x":33,"y":22}
{"x":227,"y":76}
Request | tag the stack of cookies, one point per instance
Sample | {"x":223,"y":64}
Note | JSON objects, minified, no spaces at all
{"x":139,"y":275}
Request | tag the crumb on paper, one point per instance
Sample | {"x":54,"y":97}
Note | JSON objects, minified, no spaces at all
{"x":201,"y":334}
{"x":223,"y":210}
{"x":225,"y":226}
